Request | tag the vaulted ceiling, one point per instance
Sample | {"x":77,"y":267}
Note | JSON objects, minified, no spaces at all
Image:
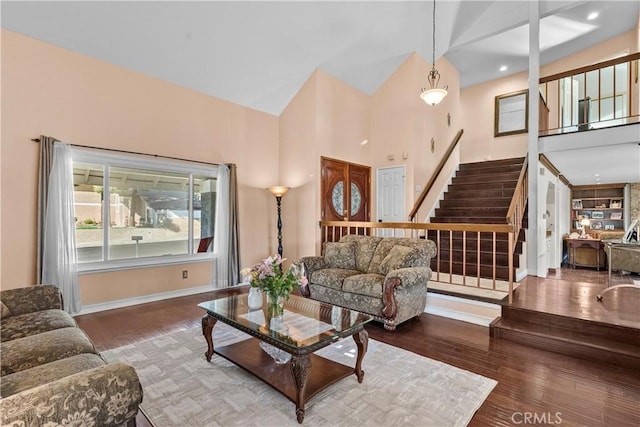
{"x":258,"y":54}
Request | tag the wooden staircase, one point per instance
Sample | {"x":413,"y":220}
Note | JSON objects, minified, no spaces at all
{"x":480,"y":193}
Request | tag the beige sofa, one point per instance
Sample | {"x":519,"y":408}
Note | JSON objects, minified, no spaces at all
{"x":51,"y":374}
{"x":384,"y":277}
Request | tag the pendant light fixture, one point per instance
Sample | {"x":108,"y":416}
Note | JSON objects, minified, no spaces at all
{"x":433,"y":95}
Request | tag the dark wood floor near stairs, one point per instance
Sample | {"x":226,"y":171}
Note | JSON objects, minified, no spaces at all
{"x":530,"y":380}
{"x":566,"y":317}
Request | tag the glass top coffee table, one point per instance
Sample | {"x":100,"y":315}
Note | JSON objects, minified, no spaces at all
{"x":305,"y":327}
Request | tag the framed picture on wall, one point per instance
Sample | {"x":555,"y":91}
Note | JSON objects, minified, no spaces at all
{"x":576,"y":204}
{"x":597,"y":215}
{"x":616,"y":215}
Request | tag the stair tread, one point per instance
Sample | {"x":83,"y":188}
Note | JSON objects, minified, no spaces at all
{"x":557,"y":333}
{"x":492,"y":163}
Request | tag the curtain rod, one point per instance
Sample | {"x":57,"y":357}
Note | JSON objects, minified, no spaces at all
{"x":136,"y":152}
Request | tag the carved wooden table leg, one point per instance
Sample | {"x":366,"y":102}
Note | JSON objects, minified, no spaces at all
{"x":362,"y":341}
{"x":208,"y":322}
{"x":300,"y":366}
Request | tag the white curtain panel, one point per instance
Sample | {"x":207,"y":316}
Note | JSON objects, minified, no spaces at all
{"x":221,"y":232}
{"x":59,"y":260}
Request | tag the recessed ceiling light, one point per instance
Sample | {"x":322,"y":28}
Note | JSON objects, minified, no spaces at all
{"x":364,"y":142}
{"x":592,"y":16}
{"x":596,"y":174}
{"x":503,"y":68}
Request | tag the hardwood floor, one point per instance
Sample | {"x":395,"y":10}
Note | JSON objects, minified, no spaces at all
{"x":533,"y":383}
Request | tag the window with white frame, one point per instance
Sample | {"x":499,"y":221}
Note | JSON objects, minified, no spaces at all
{"x":131,"y":210}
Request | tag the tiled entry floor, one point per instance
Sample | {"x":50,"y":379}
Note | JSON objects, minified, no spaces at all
{"x":591,"y":275}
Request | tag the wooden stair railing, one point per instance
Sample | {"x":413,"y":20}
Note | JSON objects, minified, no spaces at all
{"x":519,"y":199}
{"x":434,"y":176}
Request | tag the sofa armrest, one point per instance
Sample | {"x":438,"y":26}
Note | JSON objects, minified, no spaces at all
{"x":31,"y":298}
{"x":312,"y":263}
{"x":410,"y":276}
{"x":108,"y":395}
{"x":402,"y":277}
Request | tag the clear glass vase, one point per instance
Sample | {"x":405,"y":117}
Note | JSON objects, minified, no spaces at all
{"x":275,"y":306}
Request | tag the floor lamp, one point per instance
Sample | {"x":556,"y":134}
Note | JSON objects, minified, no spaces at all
{"x":279,"y":191}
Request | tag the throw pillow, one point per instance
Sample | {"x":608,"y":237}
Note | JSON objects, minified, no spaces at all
{"x":398,"y":257}
{"x":340,"y":255}
{"x":5,"y":310}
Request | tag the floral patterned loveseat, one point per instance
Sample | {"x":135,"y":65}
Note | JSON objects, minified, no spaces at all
{"x":51,"y":373}
{"x":384,"y":277}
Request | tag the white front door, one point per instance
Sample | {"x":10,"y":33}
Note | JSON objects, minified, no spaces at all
{"x":390,"y":195}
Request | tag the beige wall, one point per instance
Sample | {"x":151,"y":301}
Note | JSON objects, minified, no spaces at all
{"x":326,"y":118}
{"x":402,"y":123}
{"x":330,"y":118}
{"x":623,"y":44}
{"x":78,"y":99}
{"x":104,"y":287}
{"x":300,"y":171}
{"x":478,"y":143}
{"x":52,"y":91}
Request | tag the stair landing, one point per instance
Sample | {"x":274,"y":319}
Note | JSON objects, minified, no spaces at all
{"x":566,"y":318}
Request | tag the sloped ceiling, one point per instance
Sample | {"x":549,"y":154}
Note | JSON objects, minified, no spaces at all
{"x":258,"y":54}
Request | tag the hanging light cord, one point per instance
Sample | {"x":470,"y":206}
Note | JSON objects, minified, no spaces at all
{"x":433,"y":52}
{"x":433,"y":95}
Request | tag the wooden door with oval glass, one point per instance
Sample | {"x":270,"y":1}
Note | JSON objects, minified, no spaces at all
{"x":345,"y":190}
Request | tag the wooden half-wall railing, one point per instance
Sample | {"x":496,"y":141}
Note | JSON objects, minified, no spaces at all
{"x":590,"y":97}
{"x":518,"y":204}
{"x":470,"y":234}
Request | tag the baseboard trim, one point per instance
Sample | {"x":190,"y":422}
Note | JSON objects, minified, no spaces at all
{"x":110,"y":305}
{"x":471,"y":311}
{"x":521,"y":274}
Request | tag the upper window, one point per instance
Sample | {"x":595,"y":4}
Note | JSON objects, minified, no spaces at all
{"x":131,"y":210}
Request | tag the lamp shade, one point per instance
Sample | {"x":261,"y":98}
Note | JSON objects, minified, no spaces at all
{"x":433,"y":96}
{"x":278,"y":190}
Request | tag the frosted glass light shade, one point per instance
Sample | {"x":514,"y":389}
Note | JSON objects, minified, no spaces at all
{"x":278,"y":190}
{"x":433,"y":96}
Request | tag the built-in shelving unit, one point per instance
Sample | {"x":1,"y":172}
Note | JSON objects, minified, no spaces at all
{"x":599,"y":207}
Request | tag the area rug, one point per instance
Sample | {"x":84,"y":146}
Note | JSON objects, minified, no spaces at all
{"x":400,"y":388}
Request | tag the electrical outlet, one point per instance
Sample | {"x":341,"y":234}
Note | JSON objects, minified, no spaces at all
{"x":185,"y":274}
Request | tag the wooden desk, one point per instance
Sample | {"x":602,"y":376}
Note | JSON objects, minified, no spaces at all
{"x":595,"y":244}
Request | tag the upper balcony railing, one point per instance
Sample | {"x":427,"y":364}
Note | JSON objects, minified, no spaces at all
{"x":601,"y":95}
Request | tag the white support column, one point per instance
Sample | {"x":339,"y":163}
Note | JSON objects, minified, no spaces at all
{"x":533,"y":242}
